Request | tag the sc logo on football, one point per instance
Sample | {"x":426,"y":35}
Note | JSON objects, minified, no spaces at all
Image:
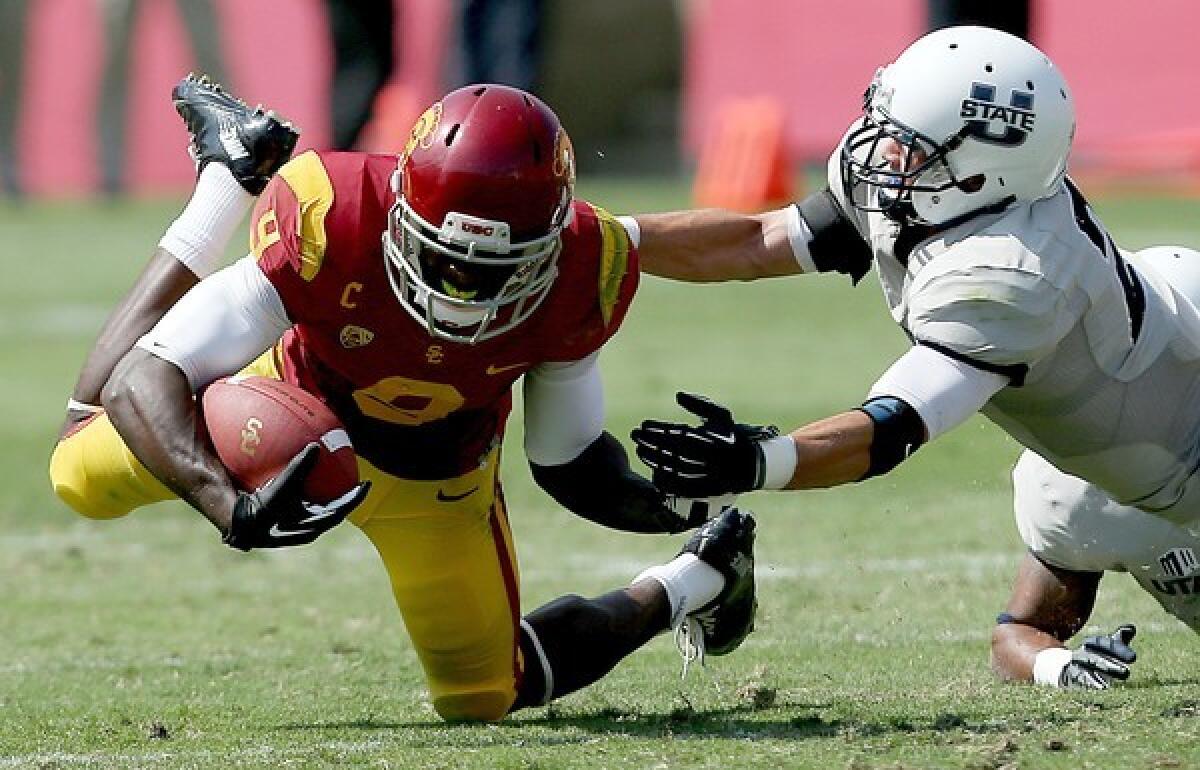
{"x":250,"y":436}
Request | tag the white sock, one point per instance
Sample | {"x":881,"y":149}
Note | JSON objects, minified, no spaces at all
{"x":198,"y":237}
{"x":689,"y":582}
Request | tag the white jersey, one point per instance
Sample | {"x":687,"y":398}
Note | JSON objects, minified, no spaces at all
{"x":1069,"y":523}
{"x":1102,"y":354}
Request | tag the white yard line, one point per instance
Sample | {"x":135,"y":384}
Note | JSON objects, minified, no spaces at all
{"x":87,"y":535}
{"x":953,"y":564}
{"x":107,"y":759}
{"x":65,"y":320}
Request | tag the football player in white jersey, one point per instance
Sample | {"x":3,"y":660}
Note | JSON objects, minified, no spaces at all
{"x":1018,"y":303}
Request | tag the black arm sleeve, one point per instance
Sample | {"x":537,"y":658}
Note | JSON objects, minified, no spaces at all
{"x":836,"y":244}
{"x":599,"y":486}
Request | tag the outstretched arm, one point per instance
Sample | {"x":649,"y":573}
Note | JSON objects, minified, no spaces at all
{"x":716,"y":245}
{"x":814,"y":235}
{"x":922,"y":395}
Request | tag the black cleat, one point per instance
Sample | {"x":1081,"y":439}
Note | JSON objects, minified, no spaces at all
{"x":727,"y":544}
{"x":251,"y":143}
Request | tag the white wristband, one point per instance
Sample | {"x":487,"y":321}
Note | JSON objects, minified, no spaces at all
{"x":633,"y":228}
{"x":799,"y":236}
{"x":779,"y":456}
{"x":79,"y":406}
{"x":1048,"y":665}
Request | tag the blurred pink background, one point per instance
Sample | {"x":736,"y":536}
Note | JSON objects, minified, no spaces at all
{"x":1132,"y":73}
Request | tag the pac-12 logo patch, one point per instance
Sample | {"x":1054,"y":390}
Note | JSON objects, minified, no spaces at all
{"x":989,"y":121}
{"x":355,"y":336}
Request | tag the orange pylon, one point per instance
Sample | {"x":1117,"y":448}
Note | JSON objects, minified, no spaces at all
{"x":744,"y":165}
{"x":392,"y":117}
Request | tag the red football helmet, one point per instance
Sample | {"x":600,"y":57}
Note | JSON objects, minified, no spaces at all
{"x":483,"y":191}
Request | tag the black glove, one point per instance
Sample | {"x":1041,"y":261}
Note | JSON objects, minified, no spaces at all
{"x":1100,"y":660}
{"x":275,"y":516}
{"x":717,"y":457}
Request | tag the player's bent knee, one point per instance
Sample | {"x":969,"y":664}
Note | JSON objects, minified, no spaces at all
{"x":70,"y":484}
{"x":482,"y":705}
{"x":93,"y":471}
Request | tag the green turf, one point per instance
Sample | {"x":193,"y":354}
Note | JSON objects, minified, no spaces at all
{"x":145,"y":642}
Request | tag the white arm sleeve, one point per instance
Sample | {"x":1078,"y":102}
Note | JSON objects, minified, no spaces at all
{"x":943,"y":391}
{"x":221,"y":325}
{"x":564,"y":410}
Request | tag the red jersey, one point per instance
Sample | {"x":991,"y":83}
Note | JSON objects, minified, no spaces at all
{"x":414,"y":405}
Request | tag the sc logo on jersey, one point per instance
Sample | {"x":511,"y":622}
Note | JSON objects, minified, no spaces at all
{"x":982,"y":112}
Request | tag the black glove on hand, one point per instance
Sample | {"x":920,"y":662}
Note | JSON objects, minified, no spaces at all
{"x":1100,"y":660}
{"x":717,"y":457}
{"x":275,"y":516}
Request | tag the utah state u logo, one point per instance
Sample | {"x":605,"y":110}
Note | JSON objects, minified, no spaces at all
{"x":1015,"y":120}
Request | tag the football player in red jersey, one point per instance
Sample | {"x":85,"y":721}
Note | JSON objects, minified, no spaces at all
{"x":410,"y":297}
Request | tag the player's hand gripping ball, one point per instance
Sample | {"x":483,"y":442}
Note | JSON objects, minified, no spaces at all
{"x":258,"y":425}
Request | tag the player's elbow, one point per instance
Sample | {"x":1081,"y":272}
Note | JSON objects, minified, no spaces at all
{"x":766,"y":252}
{"x":996,"y":654}
{"x":1004,"y":654}
{"x":134,"y":380}
{"x":121,"y":386}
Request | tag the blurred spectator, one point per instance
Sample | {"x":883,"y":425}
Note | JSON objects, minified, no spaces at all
{"x":1011,"y":16}
{"x":13,"y":15}
{"x":363,"y":54}
{"x":501,"y":42}
{"x":199,"y":17}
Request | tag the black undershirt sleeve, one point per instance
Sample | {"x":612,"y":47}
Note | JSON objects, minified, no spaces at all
{"x":599,"y":486}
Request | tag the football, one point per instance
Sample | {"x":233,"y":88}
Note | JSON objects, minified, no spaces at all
{"x":257,"y":425}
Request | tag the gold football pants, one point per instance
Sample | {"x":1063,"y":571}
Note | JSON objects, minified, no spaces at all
{"x":445,"y":544}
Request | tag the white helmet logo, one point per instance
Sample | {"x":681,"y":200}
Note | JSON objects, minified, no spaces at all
{"x":982,"y":111}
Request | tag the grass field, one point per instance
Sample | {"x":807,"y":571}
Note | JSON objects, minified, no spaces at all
{"x":145,"y":642}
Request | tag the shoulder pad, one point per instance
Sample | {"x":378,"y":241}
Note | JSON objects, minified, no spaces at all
{"x":291,"y":213}
{"x":990,"y":315}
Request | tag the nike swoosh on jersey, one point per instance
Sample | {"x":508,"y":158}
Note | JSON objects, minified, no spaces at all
{"x":443,"y":497}
{"x":493,"y":369}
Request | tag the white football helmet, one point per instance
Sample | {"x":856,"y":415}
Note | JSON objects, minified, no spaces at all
{"x":966,"y":118}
